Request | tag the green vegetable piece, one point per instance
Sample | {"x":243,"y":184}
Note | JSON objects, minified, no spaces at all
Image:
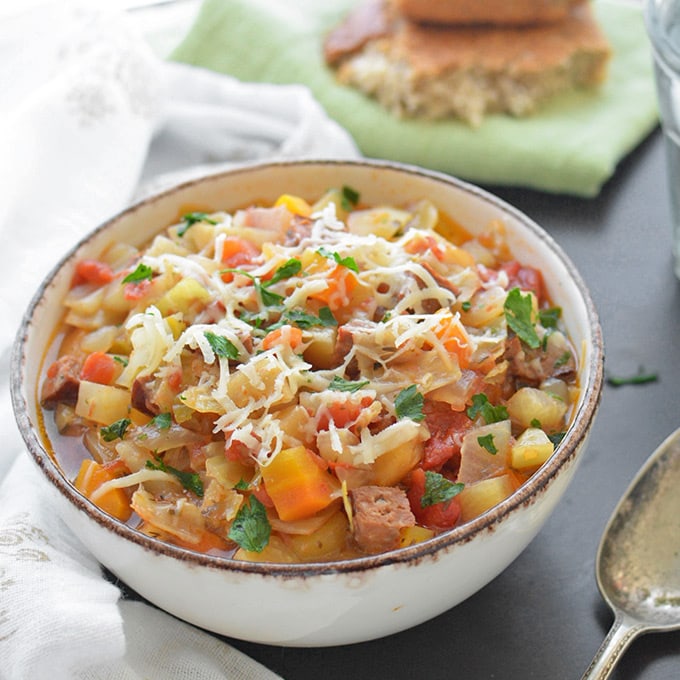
{"x":162,"y":421}
{"x":438,"y":489}
{"x":640,"y":378}
{"x":192,"y":218}
{"x":486,"y":442}
{"x":409,"y":404}
{"x":466,"y":306}
{"x":350,"y":197}
{"x":518,"y":314}
{"x":348,"y":261}
{"x":223,"y":347}
{"x":250,"y":528}
{"x":341,"y":385}
{"x":285,"y":271}
{"x":115,"y":430}
{"x":191,"y":481}
{"x":142,"y":273}
{"x":489,"y":412}
{"x":556,"y":437}
{"x":241,"y":485}
{"x":550,"y":317}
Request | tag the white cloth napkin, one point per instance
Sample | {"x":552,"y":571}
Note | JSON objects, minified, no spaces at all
{"x":87,"y":111}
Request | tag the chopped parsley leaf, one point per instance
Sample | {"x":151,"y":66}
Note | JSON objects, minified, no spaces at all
{"x":191,"y":481}
{"x":285,"y":271}
{"x":223,"y":347}
{"x":556,"y":437}
{"x":486,"y":442}
{"x":535,"y":422}
{"x":341,"y":385}
{"x":563,"y":359}
{"x":409,"y":404}
{"x":121,"y":360}
{"x":115,"y":430}
{"x":348,"y":261}
{"x":250,"y":528}
{"x":162,"y":421}
{"x":191,"y":218}
{"x":350,"y":197}
{"x":466,"y":306}
{"x":438,"y":489}
{"x":550,"y":317}
{"x":142,"y":273}
{"x":241,"y":485}
{"x":490,"y":413}
{"x":518,"y":313}
{"x":302,"y":319}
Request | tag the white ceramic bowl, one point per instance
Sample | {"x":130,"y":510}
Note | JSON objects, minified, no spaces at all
{"x":337,"y":602}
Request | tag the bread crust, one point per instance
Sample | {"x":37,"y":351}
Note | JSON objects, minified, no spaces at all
{"x":426,"y":71}
{"x":500,"y":12}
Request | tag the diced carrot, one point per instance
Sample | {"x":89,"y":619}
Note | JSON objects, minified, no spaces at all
{"x":93,"y":475}
{"x":235,"y":253}
{"x":455,"y":339}
{"x":101,"y":368}
{"x":208,"y":541}
{"x":283,"y":335}
{"x":92,"y":271}
{"x":297,"y":485}
{"x":341,"y":283}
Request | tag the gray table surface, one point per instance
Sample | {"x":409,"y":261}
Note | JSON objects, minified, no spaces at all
{"x":543,"y":617}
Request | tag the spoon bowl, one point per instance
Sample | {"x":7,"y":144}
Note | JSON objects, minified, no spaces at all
{"x":638,"y":561}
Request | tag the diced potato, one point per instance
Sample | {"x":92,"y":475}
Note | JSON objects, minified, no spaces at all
{"x":485,"y":306}
{"x":532,"y":448}
{"x":294,"y":421}
{"x":105,"y":404}
{"x":100,"y":340}
{"x":82,"y":301}
{"x":185,"y":296}
{"x":394,"y":465}
{"x":476,"y":499}
{"x":331,"y":196}
{"x":384,"y":222}
{"x":118,"y":254}
{"x":476,"y":461}
{"x":328,"y":540}
{"x":413,"y":535}
{"x":320,"y":350}
{"x":227,"y":472}
{"x":530,"y":405}
{"x":200,"y":235}
{"x":275,"y":551}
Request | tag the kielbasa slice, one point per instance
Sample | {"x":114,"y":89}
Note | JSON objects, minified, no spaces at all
{"x":380,"y":512}
{"x":62,"y":382}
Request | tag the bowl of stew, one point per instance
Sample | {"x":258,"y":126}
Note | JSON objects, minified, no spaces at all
{"x":309,"y":402}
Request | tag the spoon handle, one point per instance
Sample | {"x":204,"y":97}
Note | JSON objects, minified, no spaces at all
{"x":621,"y":634}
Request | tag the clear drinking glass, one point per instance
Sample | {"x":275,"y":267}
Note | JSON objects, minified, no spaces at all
{"x":662,"y":18}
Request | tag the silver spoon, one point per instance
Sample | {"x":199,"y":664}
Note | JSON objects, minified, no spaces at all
{"x":638,"y":561}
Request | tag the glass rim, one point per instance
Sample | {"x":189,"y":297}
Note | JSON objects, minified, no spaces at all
{"x":665,"y":51}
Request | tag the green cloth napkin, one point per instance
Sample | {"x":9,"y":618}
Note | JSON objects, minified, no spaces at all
{"x":571,"y":146}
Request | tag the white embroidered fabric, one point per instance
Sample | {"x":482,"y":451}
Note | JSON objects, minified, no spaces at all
{"x":91,"y":118}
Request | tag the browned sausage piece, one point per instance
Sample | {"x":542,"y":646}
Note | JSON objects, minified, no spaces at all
{"x":62,"y":382}
{"x":379,"y":514}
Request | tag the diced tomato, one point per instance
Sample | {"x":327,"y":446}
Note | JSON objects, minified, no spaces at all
{"x":136,"y":290}
{"x":92,"y":271}
{"x":524,"y":277}
{"x":342,"y":413}
{"x":236,"y":252}
{"x":447,"y":428}
{"x":261,"y":494}
{"x":439,"y":515}
{"x":99,"y":367}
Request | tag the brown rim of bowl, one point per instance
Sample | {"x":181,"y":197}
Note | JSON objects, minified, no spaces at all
{"x":525,"y":495}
